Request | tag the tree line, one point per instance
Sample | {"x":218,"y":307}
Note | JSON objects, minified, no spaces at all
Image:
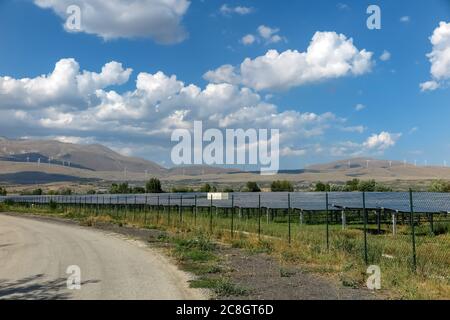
{"x":154,"y":185}
{"x":353,"y":186}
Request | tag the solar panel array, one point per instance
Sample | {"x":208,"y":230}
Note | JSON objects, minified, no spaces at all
{"x":308,"y":201}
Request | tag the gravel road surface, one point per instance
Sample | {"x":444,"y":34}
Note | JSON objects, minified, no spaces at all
{"x":35,"y":255}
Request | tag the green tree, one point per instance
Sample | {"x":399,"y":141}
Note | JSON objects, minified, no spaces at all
{"x":252,"y":187}
{"x":440,"y":186}
{"x":122,"y":188}
{"x":367,"y":186}
{"x":138,"y":190}
{"x":282,"y":186}
{"x":153,"y":186}
{"x":337,"y":188}
{"x":228,"y":190}
{"x":382,"y":188}
{"x":322,"y":187}
{"x":182,"y":190}
{"x":91,"y":191}
{"x":37,"y":192}
{"x":206,"y":188}
{"x":65,"y":192}
{"x":3,"y":191}
{"x":352,"y":185}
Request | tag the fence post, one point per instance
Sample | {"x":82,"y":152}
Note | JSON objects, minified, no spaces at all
{"x":259,"y":216}
{"x":413,"y":231}
{"x":366,"y":258}
{"x":158,"y":207}
{"x":145,"y":210}
{"x":232,"y":216}
{"x":96,"y":208}
{"x":211,"y":216}
{"x":180,"y":209}
{"x":289,"y":217}
{"x":134,"y":208}
{"x":126,"y":208}
{"x":195,"y":210}
{"x":328,"y":222}
{"x":168,"y":212}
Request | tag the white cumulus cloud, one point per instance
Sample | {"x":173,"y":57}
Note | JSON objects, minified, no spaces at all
{"x":385,"y":56}
{"x":65,"y":85}
{"x":241,"y":10}
{"x":248,"y":39}
{"x":382,"y":141}
{"x":329,"y":55}
{"x":72,"y":103}
{"x":159,"y":20}
{"x":439,"y":58}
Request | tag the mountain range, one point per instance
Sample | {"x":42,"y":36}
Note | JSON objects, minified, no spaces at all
{"x":43,"y":161}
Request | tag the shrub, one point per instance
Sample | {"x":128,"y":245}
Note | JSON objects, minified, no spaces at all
{"x":352,"y":185}
{"x":367,"y":186}
{"x":282,"y":186}
{"x":122,"y":188}
{"x":322,"y":187}
{"x":53,"y":205}
{"x":382,"y":188}
{"x":153,"y":186}
{"x":65,"y":192}
{"x":205,"y":188}
{"x":441,"y":228}
{"x":252,"y":187}
{"x":440,"y":186}
{"x":3,"y":191}
{"x":138,"y":190}
{"x":182,"y":190}
{"x":37,"y":192}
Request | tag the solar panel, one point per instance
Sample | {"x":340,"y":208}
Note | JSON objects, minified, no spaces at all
{"x":309,"y":201}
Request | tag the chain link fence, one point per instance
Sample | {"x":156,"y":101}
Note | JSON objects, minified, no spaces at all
{"x":403,"y":233}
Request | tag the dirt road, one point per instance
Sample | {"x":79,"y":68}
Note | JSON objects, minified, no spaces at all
{"x":35,"y":255}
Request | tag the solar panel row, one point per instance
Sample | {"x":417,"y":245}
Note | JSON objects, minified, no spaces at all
{"x":308,"y":201}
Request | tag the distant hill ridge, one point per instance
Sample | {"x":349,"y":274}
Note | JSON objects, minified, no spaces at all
{"x":92,"y":157}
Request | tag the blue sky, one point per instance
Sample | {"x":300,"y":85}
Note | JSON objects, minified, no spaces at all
{"x":316,"y":114}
